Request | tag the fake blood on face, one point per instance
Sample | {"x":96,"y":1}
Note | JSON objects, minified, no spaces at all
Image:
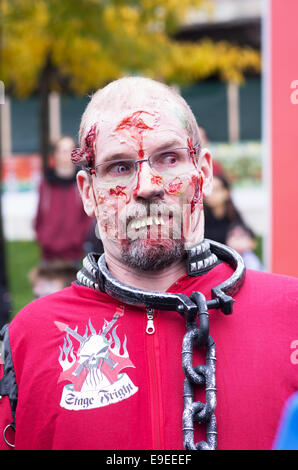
{"x":136,"y":189}
{"x":197,"y":182}
{"x":175,"y":186}
{"x":155,"y":179}
{"x":135,"y":126}
{"x":190,"y":146}
{"x":86,"y":154}
{"x":134,"y":121}
{"x":118,"y":191}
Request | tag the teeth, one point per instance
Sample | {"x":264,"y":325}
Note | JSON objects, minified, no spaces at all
{"x":136,"y":224}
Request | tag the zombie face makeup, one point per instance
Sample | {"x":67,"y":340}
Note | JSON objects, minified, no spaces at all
{"x":134,"y":127}
{"x":86,"y":155}
{"x":147,"y":211}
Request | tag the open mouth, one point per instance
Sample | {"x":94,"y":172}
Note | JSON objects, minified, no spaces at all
{"x":136,"y":224}
{"x":154,"y":227}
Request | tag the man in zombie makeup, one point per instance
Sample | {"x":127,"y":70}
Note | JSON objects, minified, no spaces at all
{"x":164,"y":341}
{"x":144,"y":182}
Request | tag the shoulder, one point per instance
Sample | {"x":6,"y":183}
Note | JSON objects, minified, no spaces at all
{"x":258,"y":289}
{"x":70,"y":301}
{"x":271,"y":281}
{"x":275,"y":291}
{"x":42,"y":311}
{"x":39,"y":308}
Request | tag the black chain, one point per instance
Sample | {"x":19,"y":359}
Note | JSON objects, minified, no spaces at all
{"x":202,"y":375}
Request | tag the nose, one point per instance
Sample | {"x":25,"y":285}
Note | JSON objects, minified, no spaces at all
{"x":146,"y":186}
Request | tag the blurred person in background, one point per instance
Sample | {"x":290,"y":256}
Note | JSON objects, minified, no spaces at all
{"x":52,"y":277}
{"x":224,"y":223}
{"x":61,"y":224}
{"x":220,"y":211}
{"x":242,"y":239}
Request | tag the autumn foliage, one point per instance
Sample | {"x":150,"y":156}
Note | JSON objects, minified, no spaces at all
{"x":86,"y":43}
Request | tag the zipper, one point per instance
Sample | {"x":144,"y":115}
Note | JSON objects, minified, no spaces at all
{"x":150,"y":325}
{"x":154,"y":381}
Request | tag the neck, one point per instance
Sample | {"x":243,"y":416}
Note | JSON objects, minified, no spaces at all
{"x":157,"y":281}
{"x":199,"y":259}
{"x":219,"y":211}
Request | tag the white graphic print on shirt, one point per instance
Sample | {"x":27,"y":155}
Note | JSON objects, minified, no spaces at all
{"x":94,"y":369}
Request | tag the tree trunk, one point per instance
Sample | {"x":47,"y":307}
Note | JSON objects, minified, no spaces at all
{"x":44,"y":90}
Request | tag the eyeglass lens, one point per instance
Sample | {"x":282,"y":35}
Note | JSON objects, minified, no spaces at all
{"x":166,"y":163}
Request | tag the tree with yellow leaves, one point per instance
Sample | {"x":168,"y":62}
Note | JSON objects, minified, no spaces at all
{"x":80,"y":45}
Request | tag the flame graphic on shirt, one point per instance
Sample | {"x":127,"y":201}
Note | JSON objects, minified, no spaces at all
{"x":98,"y":359}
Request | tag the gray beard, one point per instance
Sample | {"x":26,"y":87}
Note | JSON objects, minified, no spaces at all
{"x":154,"y":256}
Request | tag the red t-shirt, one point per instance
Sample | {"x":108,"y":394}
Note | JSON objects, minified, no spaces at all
{"x":90,"y":377}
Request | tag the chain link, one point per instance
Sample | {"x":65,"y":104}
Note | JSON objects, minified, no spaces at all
{"x":201,"y":375}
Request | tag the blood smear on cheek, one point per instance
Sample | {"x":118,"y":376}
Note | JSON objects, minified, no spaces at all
{"x":175,"y":186}
{"x":119,"y":191}
{"x":197,"y":183}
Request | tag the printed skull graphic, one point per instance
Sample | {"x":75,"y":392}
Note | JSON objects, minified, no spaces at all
{"x":98,"y":360}
{"x":91,"y":354}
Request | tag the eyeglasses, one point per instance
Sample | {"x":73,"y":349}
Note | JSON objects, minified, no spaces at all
{"x":170,"y":162}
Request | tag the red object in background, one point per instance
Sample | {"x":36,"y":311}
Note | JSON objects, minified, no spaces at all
{"x":283,"y":70}
{"x":23,"y":168}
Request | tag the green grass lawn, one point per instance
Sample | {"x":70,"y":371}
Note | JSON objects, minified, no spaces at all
{"x":21,"y":257}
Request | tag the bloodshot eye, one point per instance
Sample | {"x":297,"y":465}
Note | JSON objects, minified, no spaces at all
{"x":119,"y":168}
{"x":167,"y":160}
{"x":171,"y":160}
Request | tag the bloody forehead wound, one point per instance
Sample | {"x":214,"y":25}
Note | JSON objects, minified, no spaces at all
{"x":133,"y":123}
{"x":86,"y":155}
{"x":136,"y":126}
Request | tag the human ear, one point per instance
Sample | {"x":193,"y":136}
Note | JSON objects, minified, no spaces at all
{"x":206,"y":171}
{"x":84,"y":183}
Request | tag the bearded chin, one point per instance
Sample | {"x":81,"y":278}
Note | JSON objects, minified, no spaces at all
{"x":152,"y":255}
